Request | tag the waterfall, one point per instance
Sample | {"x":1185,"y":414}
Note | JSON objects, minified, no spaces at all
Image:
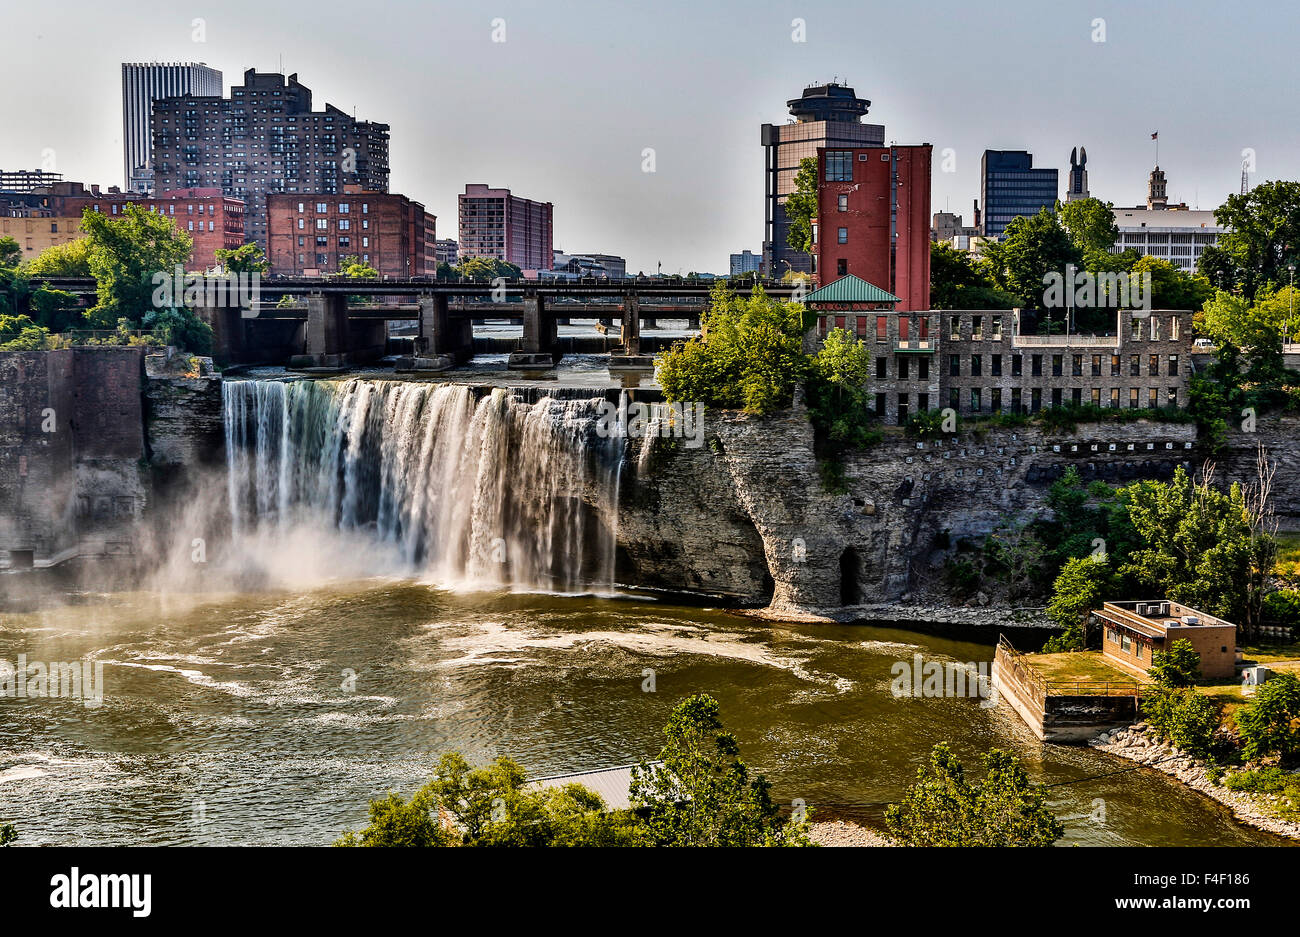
{"x":486,"y":491}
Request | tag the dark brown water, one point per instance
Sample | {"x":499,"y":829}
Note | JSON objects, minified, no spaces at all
{"x":226,"y":720}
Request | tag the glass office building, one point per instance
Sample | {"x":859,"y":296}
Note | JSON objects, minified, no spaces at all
{"x":1010,"y":187}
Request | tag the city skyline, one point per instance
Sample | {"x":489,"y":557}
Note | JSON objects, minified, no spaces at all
{"x":462,"y":106}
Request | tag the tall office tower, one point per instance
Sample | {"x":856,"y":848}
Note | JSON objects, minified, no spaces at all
{"x":494,"y":223}
{"x":142,"y":84}
{"x":1078,"y":186}
{"x":825,"y":117}
{"x":265,"y":138}
{"x":1010,"y":187}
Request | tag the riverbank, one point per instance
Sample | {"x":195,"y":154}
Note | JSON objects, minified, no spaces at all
{"x":1137,"y":743}
{"x":843,"y":833}
{"x":906,"y":615}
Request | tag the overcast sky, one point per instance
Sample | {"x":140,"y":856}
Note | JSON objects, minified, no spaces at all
{"x":562,"y":110}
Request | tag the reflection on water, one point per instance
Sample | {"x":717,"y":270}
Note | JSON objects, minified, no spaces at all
{"x":235,"y":719}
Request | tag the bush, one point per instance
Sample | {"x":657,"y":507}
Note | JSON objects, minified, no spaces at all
{"x":1282,"y":607}
{"x":1271,"y":780}
{"x":1184,"y":718}
{"x":1267,"y":724}
{"x":1180,"y":666}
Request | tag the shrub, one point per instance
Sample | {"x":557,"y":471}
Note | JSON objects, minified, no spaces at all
{"x":1267,"y":725}
{"x":1180,"y":666}
{"x":1184,"y":718}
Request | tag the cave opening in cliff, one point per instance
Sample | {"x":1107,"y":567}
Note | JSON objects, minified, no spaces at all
{"x":850,"y":572}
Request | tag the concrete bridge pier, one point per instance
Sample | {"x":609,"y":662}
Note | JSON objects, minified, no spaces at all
{"x":629,"y":357}
{"x":540,"y":338}
{"x":227,"y":324}
{"x":327,"y":330}
{"x":443,"y":342}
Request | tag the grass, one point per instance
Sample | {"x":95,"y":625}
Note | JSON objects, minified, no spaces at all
{"x":1288,"y":554}
{"x":1079,"y":669}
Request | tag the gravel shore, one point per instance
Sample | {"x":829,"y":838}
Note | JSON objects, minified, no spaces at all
{"x":842,"y":833}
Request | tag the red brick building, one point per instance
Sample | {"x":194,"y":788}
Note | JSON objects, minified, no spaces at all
{"x":310,"y":234}
{"x":213,"y":220}
{"x":873,"y":219}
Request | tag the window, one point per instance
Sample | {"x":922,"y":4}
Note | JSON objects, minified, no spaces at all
{"x":881,"y":364}
{"x":1175,"y":327}
{"x":843,"y":203}
{"x":1015,"y":400}
{"x":954,"y":365}
{"x":954,"y":328}
{"x":344,"y":224}
{"x":1076,"y":396}
{"x":321,"y":208}
{"x":975,"y":400}
{"x":902,"y":367}
{"x":1153,"y":397}
{"x":1057,"y":362}
{"x":345,"y":207}
{"x":1125,"y":643}
{"x":902,"y":409}
{"x":954,"y":398}
{"x":301,"y":224}
{"x":1036,"y":399}
{"x":880,"y":406}
{"x":1036,"y":365}
{"x":923,"y":369}
{"x":365,"y":208}
{"x":1076,"y":366}
{"x":1173,"y":365}
{"x":922,"y":403}
{"x":997,"y":328}
{"x":300,"y":207}
{"x":1133,"y":398}
{"x":1114,"y":398}
{"x":841,"y":266}
{"x":842,"y":236}
{"x":975,"y":369}
{"x":1153,"y":365}
{"x":904,"y":328}
{"x":995,"y":399}
{"x":1114,"y":365}
{"x":1172,"y":398}
{"x":839,"y":166}
{"x":1155,"y":329}
{"x":1135,"y":329}
{"x":882,"y":328}
{"x":1134,"y":365}
{"x":322,"y":224}
{"x":1056,"y":397}
{"x":1017,"y":365}
{"x":995,"y":365}
{"x":977,"y":328}
{"x":1096,"y":396}
{"x":1096,"y":365}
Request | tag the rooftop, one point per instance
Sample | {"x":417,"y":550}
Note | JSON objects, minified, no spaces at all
{"x":851,"y":289}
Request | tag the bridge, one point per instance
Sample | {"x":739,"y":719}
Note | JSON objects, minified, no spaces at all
{"x":340,"y":315}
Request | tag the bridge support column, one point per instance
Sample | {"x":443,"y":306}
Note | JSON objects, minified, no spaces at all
{"x":443,"y":341}
{"x":629,"y":357}
{"x":538,"y":352}
{"x":327,"y":330}
{"x":227,"y":324}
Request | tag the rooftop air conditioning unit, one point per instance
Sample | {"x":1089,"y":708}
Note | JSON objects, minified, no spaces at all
{"x":1191,"y":620}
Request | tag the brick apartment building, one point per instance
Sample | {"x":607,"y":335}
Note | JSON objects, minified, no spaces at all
{"x":265,"y":139}
{"x":53,"y":216}
{"x":495,"y":223}
{"x":311,"y":234}
{"x":977,"y":363}
{"x":873,"y":219}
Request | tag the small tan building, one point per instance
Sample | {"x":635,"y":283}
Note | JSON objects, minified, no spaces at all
{"x":1133,"y":631}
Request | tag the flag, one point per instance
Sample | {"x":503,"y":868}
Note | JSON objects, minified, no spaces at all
{"x":1156,"y":134}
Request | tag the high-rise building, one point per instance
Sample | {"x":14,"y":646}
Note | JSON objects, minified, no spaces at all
{"x":1010,"y":187}
{"x":494,"y":223}
{"x":142,"y":84}
{"x":745,"y":262}
{"x":265,"y":138}
{"x":825,"y":116}
{"x":313,"y":234}
{"x":873,"y":219}
{"x":27,"y":180}
{"x":1077,"y":187}
{"x":448,"y":250}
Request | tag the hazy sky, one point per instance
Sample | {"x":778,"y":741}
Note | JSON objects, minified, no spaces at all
{"x":562,"y":110}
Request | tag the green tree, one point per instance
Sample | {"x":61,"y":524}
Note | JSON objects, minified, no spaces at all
{"x":182,"y":327}
{"x":20,"y":333}
{"x":487,"y":269}
{"x":1081,"y":586}
{"x":960,"y":280}
{"x":943,"y":809}
{"x":702,"y":793}
{"x":247,"y":258}
{"x":55,"y":310}
{"x":1031,"y":247}
{"x":801,"y":206}
{"x":1180,"y":666}
{"x":1261,"y":240}
{"x":354,"y":268}
{"x":124,"y":253}
{"x":749,"y":354}
{"x":7,"y":834}
{"x":12,"y":281}
{"x":1184,"y":718}
{"x":1090,"y":224}
{"x":1270,"y":723}
{"x":62,"y":260}
{"x":1171,"y":288}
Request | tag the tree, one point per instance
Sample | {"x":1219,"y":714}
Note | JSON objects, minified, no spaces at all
{"x":487,"y":269}
{"x":943,"y":809}
{"x":20,"y":333}
{"x":1262,"y":239}
{"x":960,"y":280}
{"x":7,"y":834}
{"x":1180,"y":666}
{"x":801,"y":206}
{"x":493,"y":806}
{"x":1270,"y":723}
{"x":1031,"y":247}
{"x":12,"y":282}
{"x":182,"y":327}
{"x":354,"y":268}
{"x":1184,"y":718}
{"x":1080,"y":587}
{"x":124,"y":253}
{"x":1171,"y":288}
{"x":702,"y":793}
{"x":749,"y":354}
{"x":55,"y":310}
{"x":1090,"y":224}
{"x":247,"y":258}
{"x":62,"y":260}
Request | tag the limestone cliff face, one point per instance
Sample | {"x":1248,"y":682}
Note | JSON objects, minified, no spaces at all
{"x":688,"y":513}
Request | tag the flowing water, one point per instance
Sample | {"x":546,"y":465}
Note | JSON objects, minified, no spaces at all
{"x":436,"y":574}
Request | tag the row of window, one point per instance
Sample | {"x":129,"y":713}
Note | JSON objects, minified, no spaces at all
{"x":1126,"y":644}
{"x":1057,"y":364}
{"x":323,"y":224}
{"x":1015,"y":401}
